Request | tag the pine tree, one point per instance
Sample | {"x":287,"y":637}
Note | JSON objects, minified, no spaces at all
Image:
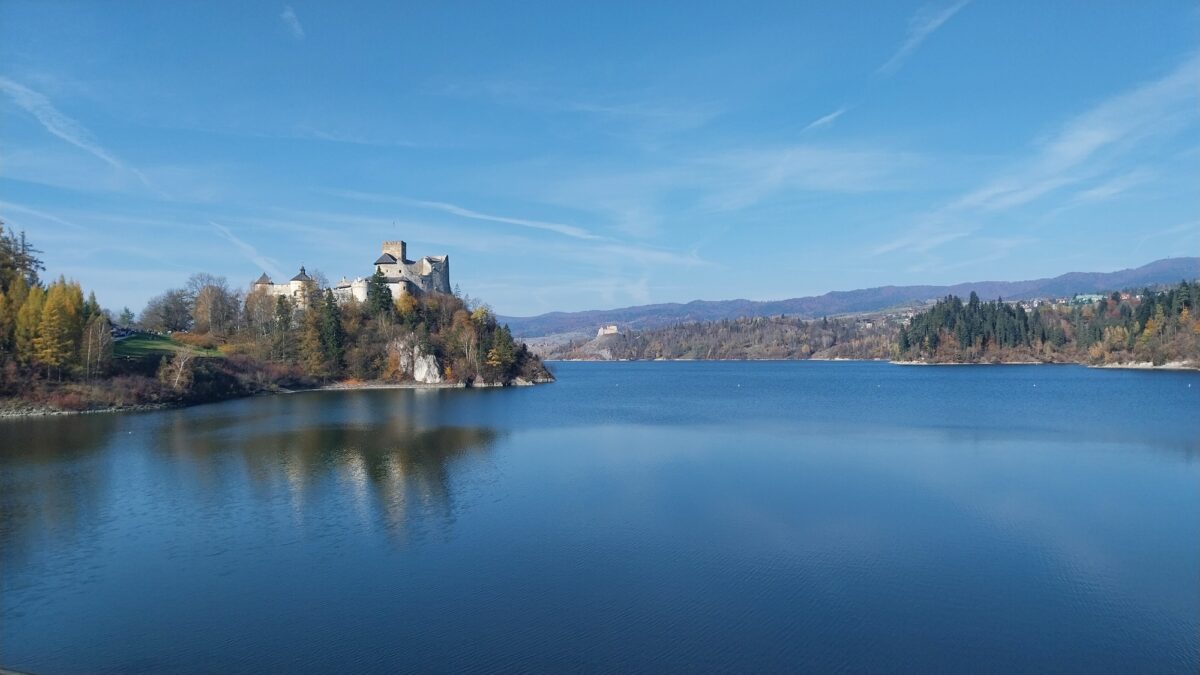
{"x":283,"y":345}
{"x":379,"y":296}
{"x":333,"y":336}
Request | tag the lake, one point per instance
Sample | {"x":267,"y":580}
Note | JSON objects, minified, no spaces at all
{"x":690,"y":516}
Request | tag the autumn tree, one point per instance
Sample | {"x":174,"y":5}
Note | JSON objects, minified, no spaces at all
{"x":96,"y":352}
{"x":25,"y":330}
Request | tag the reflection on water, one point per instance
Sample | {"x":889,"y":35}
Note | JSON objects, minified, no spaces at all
{"x":631,"y":517}
{"x":395,"y":473}
{"x":50,"y":480}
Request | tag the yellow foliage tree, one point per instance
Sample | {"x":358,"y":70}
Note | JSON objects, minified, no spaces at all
{"x":25,"y":331}
{"x":52,"y":347}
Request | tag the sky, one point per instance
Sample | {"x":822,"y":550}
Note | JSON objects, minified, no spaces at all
{"x":571,"y":156}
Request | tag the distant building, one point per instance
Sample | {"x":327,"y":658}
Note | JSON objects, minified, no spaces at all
{"x":294,"y":289}
{"x":430,"y":274}
{"x":607,"y":330}
{"x":1087,"y":298}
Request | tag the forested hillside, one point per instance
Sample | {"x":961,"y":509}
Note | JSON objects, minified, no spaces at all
{"x":207,"y":341}
{"x":1155,"y":327}
{"x":646,"y":317}
{"x":1151,"y":326}
{"x":746,"y":338}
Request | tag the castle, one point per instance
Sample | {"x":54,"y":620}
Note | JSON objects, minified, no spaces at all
{"x":430,"y":274}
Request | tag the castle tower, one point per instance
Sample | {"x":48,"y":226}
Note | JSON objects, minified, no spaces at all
{"x":396,"y":249}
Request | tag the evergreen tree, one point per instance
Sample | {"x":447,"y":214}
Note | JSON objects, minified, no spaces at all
{"x":379,"y":296}
{"x":333,"y":336}
{"x":283,"y":345}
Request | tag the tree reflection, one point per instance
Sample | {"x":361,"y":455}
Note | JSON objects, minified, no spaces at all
{"x":51,"y":479}
{"x":378,"y":464}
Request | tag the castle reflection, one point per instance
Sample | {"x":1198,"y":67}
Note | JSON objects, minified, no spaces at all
{"x":333,"y":460}
{"x":377,"y":456}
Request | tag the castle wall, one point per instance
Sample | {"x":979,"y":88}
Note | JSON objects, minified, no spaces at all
{"x":430,"y":274}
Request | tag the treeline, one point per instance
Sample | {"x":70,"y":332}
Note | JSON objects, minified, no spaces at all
{"x":1153,"y":326}
{"x":50,"y":330}
{"x":745,"y":338}
{"x":434,"y":337}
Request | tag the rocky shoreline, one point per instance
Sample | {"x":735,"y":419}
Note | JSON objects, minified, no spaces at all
{"x":22,"y":410}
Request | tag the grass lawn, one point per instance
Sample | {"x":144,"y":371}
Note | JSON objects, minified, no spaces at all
{"x":144,"y":345}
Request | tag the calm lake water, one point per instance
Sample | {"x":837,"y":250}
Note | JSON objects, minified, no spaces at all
{"x":631,"y":517}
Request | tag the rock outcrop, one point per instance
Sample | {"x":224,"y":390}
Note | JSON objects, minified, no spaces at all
{"x":412,"y":362}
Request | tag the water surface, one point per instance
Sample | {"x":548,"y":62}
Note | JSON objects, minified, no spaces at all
{"x":631,"y":517}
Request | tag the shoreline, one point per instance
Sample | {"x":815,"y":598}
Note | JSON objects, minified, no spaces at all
{"x":1178,"y":366}
{"x":46,"y":411}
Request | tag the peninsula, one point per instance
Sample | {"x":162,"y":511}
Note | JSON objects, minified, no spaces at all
{"x":400,"y":325}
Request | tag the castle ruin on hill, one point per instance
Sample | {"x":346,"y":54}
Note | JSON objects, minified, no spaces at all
{"x":430,"y":274}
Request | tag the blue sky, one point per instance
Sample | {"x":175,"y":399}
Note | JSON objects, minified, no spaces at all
{"x":587,"y":155}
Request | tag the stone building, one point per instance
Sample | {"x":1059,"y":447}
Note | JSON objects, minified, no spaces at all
{"x":295,"y":289}
{"x":430,"y":274}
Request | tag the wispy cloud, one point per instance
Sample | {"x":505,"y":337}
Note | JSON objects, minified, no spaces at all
{"x":248,"y":251}
{"x":644,"y":111}
{"x":292,"y":22}
{"x":825,"y":120}
{"x":1083,"y":149}
{"x":920,"y":27}
{"x":453,"y":209}
{"x":9,"y":207}
{"x":1115,"y":186}
{"x":1115,"y":126}
{"x":567,"y":230}
{"x":62,"y":126}
{"x":1182,"y":232}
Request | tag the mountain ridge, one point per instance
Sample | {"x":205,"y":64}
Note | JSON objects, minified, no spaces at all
{"x":1162,"y":271}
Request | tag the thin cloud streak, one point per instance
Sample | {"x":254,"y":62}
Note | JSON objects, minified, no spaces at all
{"x":62,"y":126}
{"x":292,"y":22}
{"x":248,"y":251}
{"x":920,"y":27}
{"x":567,"y":230}
{"x":453,"y":209}
{"x":825,"y":120}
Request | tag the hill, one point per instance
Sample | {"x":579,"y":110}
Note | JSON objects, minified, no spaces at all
{"x":1165,"y":271}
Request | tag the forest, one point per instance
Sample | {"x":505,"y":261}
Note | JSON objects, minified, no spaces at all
{"x":207,"y":340}
{"x":1150,"y":326}
{"x":777,"y":337}
{"x":1156,"y":326}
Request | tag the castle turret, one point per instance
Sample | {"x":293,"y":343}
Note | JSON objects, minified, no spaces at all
{"x":396,"y":249}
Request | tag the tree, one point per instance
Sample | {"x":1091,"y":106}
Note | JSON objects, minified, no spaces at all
{"x":126,"y":318}
{"x":283,"y":346}
{"x":25,"y":331}
{"x":52,"y":346}
{"x":379,"y":296}
{"x":312,"y":352}
{"x":18,"y":260}
{"x":97,"y":349}
{"x":177,"y":372}
{"x":332,"y":333}
{"x":213,"y":304}
{"x":503,"y":352}
{"x":168,"y":311}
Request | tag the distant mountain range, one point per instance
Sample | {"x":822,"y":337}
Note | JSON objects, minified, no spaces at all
{"x":1165,"y":271}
